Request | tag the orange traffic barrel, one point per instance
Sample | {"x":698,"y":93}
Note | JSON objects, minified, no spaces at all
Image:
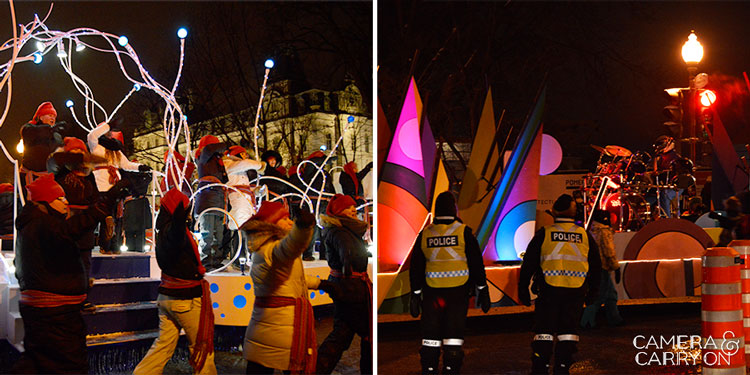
{"x":722,"y":329}
{"x":743,"y":248}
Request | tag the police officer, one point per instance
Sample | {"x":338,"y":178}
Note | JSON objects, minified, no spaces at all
{"x":559,"y":258}
{"x":446,"y":265}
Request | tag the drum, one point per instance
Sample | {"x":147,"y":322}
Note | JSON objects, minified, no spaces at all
{"x":628,"y":211}
{"x":682,"y":172}
{"x":638,"y":163}
{"x":610,"y":168}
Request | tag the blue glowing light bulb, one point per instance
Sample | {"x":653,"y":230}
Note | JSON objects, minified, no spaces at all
{"x":323,"y":148}
{"x":37,"y":58}
{"x":123,"y":40}
{"x":68,"y":103}
{"x":137,"y":87}
{"x":184,"y":117}
{"x":350,"y":119}
{"x":269,"y":64}
{"x":181,"y":33}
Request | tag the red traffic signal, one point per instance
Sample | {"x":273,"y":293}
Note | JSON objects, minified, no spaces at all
{"x":707,"y":97}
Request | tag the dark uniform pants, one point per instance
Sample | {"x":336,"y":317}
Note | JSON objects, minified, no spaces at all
{"x":557,"y":314}
{"x":54,"y":341}
{"x":443,"y":324}
{"x":352,"y":316}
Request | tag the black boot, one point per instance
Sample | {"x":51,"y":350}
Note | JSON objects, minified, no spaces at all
{"x":453,"y":357}
{"x":430,"y":358}
{"x":564,"y":356}
{"x":541,"y":351}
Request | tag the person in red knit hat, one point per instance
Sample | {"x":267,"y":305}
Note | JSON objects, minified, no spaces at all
{"x":40,"y":138}
{"x":71,"y":170}
{"x":184,"y":298}
{"x":209,"y":158}
{"x":281,"y":332}
{"x":346,"y":251}
{"x":52,"y":279}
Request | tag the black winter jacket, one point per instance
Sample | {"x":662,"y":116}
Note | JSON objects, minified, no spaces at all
{"x":39,"y":141}
{"x":345,"y":249}
{"x":174,"y":251}
{"x":47,"y":257}
{"x":210,"y":164}
{"x":79,"y":190}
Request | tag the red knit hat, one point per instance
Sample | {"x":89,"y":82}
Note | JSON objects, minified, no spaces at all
{"x":338,"y":204}
{"x":45,"y":189}
{"x":316,"y":154}
{"x":205,"y":141}
{"x":236,"y":150}
{"x":73,"y":143}
{"x":271,"y":212}
{"x":118,"y":136}
{"x":173,"y":198}
{"x":6,"y":187}
{"x":45,"y":108}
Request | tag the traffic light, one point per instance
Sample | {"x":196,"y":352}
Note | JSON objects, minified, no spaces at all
{"x":705,"y":100}
{"x":673,"y":112}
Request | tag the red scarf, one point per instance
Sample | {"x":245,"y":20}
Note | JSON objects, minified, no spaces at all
{"x":113,"y":176}
{"x":204,"y":342}
{"x":38,"y":298}
{"x":364,"y":276}
{"x":304,"y":351}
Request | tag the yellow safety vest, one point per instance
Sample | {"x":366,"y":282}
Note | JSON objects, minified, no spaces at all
{"x":565,"y":254}
{"x":444,"y":249}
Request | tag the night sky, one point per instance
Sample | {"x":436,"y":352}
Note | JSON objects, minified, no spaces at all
{"x":151,"y":29}
{"x":608,"y":64}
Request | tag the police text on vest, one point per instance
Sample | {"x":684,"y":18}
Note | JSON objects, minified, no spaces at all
{"x":567,"y":237}
{"x":442,"y":241}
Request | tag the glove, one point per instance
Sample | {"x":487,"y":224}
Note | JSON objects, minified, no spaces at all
{"x":144,"y":168}
{"x":110,"y":143}
{"x":119,"y":191}
{"x":415,"y":304}
{"x":523,"y":295}
{"x":483,"y":298}
{"x":333,"y":289}
{"x":305,"y":219}
{"x":617,"y":276}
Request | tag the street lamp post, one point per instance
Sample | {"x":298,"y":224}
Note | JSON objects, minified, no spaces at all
{"x":692,"y":53}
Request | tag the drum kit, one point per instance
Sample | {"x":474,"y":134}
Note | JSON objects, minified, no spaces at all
{"x":624,"y":183}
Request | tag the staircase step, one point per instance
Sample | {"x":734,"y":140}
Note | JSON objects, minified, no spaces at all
{"x":120,"y":337}
{"x":114,"y":291}
{"x":120,"y":266}
{"x":130,"y":317}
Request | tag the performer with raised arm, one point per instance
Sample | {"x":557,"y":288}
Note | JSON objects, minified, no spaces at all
{"x":40,"y":138}
{"x":108,"y":145}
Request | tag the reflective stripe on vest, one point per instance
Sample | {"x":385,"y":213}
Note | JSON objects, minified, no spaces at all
{"x":444,"y":250}
{"x":565,"y":253}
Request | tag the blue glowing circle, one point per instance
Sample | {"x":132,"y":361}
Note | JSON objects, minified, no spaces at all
{"x":312,"y":295}
{"x":69,"y":103}
{"x":322,"y":292}
{"x":350,"y":119}
{"x":223,"y":316}
{"x":181,"y":33}
{"x":214,"y":287}
{"x":184,"y":117}
{"x":137,"y":87}
{"x":123,"y":40}
{"x":215,"y":305}
{"x":37,"y":58}
{"x":269,"y":64}
{"x":248,"y":286}
{"x":323,"y":148}
{"x":239,"y":301}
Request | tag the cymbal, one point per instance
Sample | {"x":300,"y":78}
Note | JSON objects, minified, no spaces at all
{"x":601,"y":149}
{"x":618,"y":151}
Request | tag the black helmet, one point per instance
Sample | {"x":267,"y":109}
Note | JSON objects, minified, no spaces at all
{"x":662,"y":143}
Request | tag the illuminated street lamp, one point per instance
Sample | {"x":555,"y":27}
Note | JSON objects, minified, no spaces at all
{"x":692,"y":53}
